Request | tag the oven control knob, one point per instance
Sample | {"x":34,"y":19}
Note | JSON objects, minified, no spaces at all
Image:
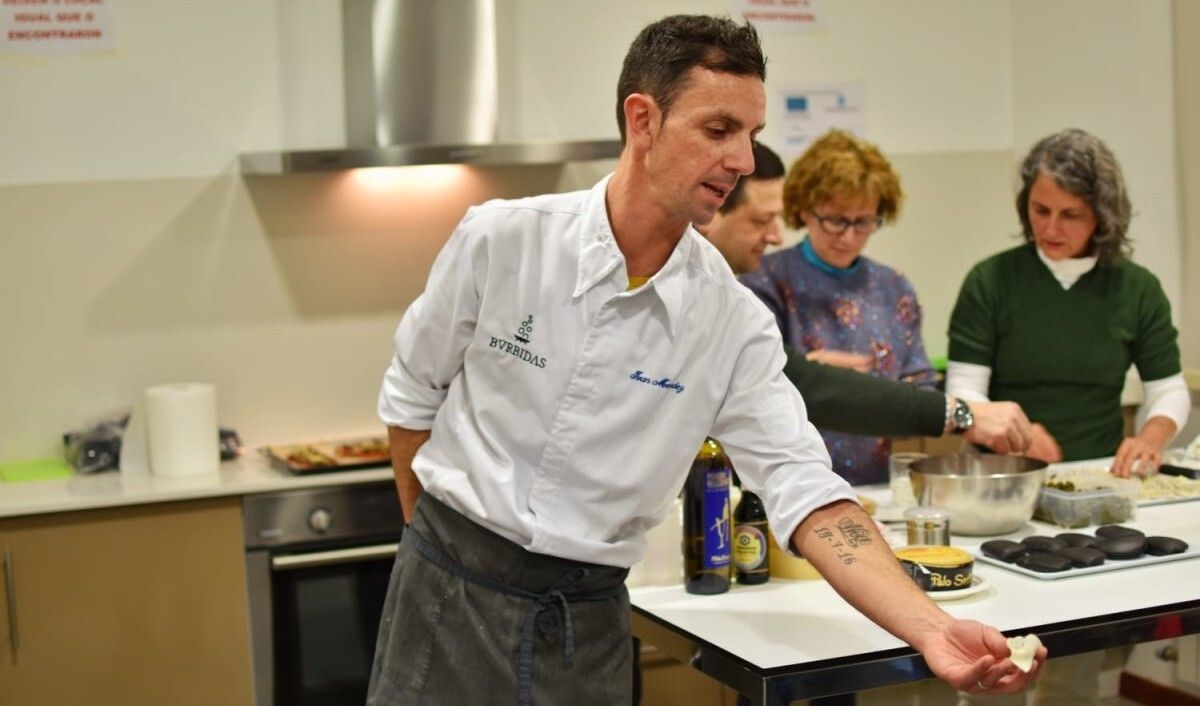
{"x":320,"y":520}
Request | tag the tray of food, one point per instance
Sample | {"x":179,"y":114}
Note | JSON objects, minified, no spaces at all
{"x":1111,"y":548}
{"x":322,"y":456}
{"x":1078,"y":495}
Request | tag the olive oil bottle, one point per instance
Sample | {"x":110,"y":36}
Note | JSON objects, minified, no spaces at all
{"x":707,"y":540}
{"x":750,"y":558}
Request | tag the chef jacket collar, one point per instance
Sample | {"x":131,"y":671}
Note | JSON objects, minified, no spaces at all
{"x":599,"y":256}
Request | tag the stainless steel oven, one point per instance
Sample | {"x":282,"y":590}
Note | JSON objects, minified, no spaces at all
{"x":318,"y":562}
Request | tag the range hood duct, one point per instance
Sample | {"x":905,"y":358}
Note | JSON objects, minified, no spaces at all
{"x":422,"y":86}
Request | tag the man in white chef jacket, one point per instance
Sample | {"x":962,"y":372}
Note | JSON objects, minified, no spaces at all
{"x":552,"y":384}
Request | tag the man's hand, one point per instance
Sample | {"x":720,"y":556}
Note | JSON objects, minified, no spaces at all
{"x":403,"y":445}
{"x":861,"y":362}
{"x":1043,"y":447}
{"x":1000,"y":426}
{"x":974,"y":657}
{"x":843,"y":544}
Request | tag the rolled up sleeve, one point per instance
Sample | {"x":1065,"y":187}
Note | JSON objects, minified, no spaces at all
{"x":434,"y":333}
{"x":776,"y":451}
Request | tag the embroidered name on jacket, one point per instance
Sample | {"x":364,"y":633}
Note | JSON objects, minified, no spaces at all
{"x":524,"y":334}
{"x":665,"y":383}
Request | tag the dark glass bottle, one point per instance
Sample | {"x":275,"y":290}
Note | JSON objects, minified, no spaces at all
{"x":751,"y":563}
{"x":707,"y":543}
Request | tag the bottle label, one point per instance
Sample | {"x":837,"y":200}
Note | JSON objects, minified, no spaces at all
{"x":716,"y":519}
{"x":749,"y":548}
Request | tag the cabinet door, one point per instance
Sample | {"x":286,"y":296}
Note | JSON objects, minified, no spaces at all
{"x":130,"y":606}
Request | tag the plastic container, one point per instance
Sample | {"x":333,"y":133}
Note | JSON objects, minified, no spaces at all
{"x":1080,"y":508}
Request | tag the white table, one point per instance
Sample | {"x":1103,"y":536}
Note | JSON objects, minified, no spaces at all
{"x":788,"y":640}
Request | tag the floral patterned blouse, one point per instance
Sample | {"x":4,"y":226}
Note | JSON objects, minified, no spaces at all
{"x":865,"y":308}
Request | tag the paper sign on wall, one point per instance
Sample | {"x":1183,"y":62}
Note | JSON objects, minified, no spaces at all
{"x":778,"y":16}
{"x":807,"y":112}
{"x":56,"y":27}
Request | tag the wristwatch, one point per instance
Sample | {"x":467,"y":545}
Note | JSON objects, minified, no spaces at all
{"x":961,"y":417}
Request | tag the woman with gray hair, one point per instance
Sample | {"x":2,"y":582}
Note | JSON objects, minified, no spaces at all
{"x":1055,"y":323}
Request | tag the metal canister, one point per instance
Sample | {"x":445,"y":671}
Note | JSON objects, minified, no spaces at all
{"x":927,"y":525}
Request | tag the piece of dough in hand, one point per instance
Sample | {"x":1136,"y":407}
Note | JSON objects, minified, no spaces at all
{"x":1022,"y":650}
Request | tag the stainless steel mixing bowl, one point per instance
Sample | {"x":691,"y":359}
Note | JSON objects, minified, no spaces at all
{"x":986,"y":494}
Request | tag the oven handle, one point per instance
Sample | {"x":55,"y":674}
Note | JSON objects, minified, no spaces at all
{"x":330,"y":558}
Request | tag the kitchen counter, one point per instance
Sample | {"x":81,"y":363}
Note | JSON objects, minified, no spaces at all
{"x":788,"y":640}
{"x":250,"y":473}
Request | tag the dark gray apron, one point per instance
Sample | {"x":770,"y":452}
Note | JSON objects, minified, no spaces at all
{"x":472,"y":618}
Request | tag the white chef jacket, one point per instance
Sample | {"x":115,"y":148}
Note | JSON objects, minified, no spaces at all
{"x":564,"y":410}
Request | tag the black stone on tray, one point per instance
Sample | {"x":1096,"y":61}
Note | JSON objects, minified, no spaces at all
{"x":1075,"y":539}
{"x":1039,"y":543}
{"x":1044,"y":562}
{"x":1123,"y":546}
{"x":1082,"y":556}
{"x":1161,"y":546}
{"x":1109,"y":531}
{"x":1004,"y":549}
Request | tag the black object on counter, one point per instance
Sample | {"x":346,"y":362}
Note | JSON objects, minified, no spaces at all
{"x":1075,"y":539}
{"x":750,"y":557}
{"x":1043,"y":544}
{"x":1123,"y":546}
{"x":1044,"y":562}
{"x":1162,"y":546}
{"x":1168,"y":469}
{"x":1082,"y":556}
{"x":706,"y":522}
{"x":1005,"y":550}
{"x":1109,"y":531}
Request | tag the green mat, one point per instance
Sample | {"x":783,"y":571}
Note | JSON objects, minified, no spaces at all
{"x":37,"y":469}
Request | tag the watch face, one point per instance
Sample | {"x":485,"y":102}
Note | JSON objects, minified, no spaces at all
{"x":963,"y":419}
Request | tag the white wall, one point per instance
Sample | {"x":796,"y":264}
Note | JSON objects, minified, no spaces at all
{"x":131,"y":252}
{"x":1112,"y":76}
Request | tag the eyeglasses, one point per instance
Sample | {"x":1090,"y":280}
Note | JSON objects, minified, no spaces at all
{"x":836,"y":225}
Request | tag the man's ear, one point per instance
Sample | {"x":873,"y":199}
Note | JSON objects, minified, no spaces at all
{"x":642,"y":118}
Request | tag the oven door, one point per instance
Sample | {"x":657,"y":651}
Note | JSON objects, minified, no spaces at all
{"x":315,"y":616}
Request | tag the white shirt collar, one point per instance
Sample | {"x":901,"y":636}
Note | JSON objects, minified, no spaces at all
{"x":1067,"y":271}
{"x":599,"y":256}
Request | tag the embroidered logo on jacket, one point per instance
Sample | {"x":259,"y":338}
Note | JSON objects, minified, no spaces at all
{"x":524,"y":334}
{"x":665,"y":383}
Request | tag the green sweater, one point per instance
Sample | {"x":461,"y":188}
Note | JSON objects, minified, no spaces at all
{"x":856,"y":403}
{"x":1062,"y":354}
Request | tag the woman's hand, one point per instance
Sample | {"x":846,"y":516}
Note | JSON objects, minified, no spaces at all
{"x":1136,"y":457}
{"x":861,"y":362}
{"x":1141,"y":455}
{"x":1043,"y":446}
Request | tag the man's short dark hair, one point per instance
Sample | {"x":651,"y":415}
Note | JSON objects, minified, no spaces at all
{"x":663,"y":53}
{"x":767,"y":165}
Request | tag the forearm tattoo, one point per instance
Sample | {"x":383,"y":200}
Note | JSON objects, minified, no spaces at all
{"x":846,"y":536}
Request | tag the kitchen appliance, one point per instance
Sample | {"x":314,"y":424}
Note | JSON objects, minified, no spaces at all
{"x":430,"y":83}
{"x":318,"y":562}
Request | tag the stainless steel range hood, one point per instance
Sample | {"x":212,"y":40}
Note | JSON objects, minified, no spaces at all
{"x":422,"y":85}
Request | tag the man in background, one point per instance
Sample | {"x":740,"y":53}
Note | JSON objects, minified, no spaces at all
{"x":839,"y":398}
